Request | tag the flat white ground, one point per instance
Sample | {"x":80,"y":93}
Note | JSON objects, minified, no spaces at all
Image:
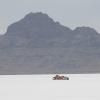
{"x":42,"y":87}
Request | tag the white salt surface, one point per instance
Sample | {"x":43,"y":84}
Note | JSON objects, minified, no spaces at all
{"x":42,"y":87}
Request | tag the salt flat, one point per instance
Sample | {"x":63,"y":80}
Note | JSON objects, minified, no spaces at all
{"x":42,"y":87}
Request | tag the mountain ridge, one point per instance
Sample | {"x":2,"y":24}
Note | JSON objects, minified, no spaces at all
{"x":37,"y":45}
{"x":40,"y":24}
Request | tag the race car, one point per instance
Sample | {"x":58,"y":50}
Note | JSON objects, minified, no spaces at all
{"x":57,"y":77}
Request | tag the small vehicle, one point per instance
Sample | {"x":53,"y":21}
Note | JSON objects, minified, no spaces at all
{"x":57,"y":77}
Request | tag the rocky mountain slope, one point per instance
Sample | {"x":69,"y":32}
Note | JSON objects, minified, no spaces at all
{"x":38,"y":45}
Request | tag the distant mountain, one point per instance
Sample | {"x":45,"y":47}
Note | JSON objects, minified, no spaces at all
{"x":38,"y":45}
{"x":37,"y":25}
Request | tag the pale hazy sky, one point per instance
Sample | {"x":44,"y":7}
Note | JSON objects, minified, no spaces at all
{"x":70,"y":13}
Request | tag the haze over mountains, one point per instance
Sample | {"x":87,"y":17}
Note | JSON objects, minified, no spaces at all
{"x":38,"y":45}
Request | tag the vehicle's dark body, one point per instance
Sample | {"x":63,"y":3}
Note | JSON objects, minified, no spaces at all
{"x":57,"y":77}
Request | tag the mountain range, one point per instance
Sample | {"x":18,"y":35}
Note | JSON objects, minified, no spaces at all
{"x":37,"y":44}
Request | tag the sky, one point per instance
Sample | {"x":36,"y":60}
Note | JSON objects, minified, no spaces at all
{"x":70,"y":13}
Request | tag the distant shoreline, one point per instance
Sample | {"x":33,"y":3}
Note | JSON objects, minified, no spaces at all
{"x":51,"y":73}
